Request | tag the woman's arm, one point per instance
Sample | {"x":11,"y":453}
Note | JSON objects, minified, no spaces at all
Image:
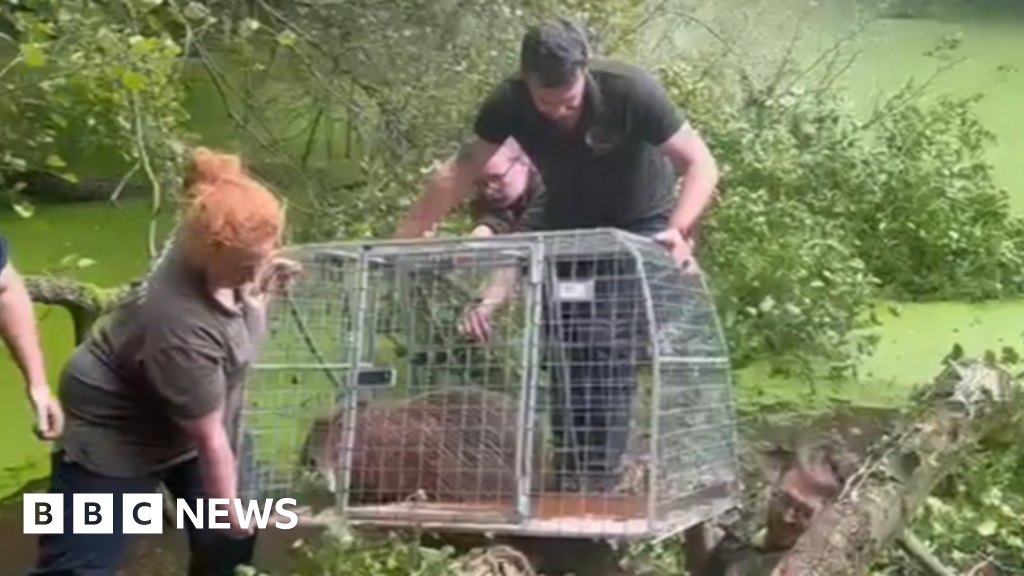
{"x":188,"y":376}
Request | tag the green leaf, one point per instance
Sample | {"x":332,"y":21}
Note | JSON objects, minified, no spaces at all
{"x":84,"y":263}
{"x":133,"y":81}
{"x":248,"y":26}
{"x":33,"y":55}
{"x":287,"y":39}
{"x":987,"y":528}
{"x":195,"y":11}
{"x":54,"y":161}
{"x":24,"y":208}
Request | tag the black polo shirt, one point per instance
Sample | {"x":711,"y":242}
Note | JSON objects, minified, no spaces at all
{"x":607,"y":172}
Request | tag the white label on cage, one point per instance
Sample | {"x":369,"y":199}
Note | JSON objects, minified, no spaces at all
{"x":575,"y":291}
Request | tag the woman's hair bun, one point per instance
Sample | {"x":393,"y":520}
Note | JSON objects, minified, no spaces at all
{"x":207,"y":167}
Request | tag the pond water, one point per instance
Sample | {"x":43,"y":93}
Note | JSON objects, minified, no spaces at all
{"x":993,"y":36}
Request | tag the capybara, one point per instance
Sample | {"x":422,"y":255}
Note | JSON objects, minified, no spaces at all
{"x":451,"y":445}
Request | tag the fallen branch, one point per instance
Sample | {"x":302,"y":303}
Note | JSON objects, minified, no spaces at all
{"x":83,"y":301}
{"x":924,"y":557}
{"x":968,"y":402}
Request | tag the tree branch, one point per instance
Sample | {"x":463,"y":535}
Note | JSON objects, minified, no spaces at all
{"x":84,"y":302}
{"x":969,"y":402}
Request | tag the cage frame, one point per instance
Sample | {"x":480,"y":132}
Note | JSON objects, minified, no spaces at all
{"x":520,"y":520}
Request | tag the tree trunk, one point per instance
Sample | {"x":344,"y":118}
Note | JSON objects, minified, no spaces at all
{"x":84,"y":302}
{"x":969,"y":402}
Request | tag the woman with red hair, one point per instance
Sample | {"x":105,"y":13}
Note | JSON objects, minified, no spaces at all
{"x":154,"y":394}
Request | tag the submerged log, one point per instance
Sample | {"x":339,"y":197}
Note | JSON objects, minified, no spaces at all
{"x":969,"y":402}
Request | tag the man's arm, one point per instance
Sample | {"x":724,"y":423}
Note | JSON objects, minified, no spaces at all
{"x":188,"y":376}
{"x":18,"y":324}
{"x":452,"y":181}
{"x":446,"y":188}
{"x":691,"y":157}
{"x":503,"y":281}
{"x":662,"y":125}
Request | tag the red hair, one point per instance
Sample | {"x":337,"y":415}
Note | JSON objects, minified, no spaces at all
{"x":225,"y":207}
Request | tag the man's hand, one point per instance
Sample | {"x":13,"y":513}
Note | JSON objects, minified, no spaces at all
{"x":476,"y":324}
{"x":277,"y":278}
{"x":679,"y":247}
{"x":235,"y":529}
{"x":49,"y":415}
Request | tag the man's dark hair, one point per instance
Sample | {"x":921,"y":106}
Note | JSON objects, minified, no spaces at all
{"x":553,"y":52}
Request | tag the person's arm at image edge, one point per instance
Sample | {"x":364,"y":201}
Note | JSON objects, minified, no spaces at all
{"x":452,"y":181}
{"x":18,"y":325}
{"x":190,"y":381}
{"x":662,"y":125}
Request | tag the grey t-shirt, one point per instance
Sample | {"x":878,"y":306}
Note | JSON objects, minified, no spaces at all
{"x":168,"y":352}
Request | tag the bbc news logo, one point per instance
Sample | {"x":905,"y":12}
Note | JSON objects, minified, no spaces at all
{"x":144,"y":513}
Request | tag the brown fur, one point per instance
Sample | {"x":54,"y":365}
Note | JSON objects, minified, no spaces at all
{"x":453,"y":445}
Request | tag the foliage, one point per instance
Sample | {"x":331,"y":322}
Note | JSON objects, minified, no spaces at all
{"x":89,"y":75}
{"x":391,"y":556}
{"x":822,"y":211}
{"x":367,"y":60}
{"x":977,"y":514}
{"x":973,"y":517}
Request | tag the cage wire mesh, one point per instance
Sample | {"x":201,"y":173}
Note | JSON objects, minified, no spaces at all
{"x":600,"y":405}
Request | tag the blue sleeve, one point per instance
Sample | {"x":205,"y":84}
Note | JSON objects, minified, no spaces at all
{"x":3,"y":252}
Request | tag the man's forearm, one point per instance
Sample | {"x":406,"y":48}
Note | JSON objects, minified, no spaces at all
{"x":696,"y":188}
{"x":19,"y":331}
{"x":442,"y":194}
{"x":217,"y":462}
{"x":500,"y":287}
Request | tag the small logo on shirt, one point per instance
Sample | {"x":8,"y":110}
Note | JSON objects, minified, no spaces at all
{"x":601,"y":139}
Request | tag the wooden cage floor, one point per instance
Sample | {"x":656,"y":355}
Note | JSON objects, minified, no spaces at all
{"x":551,"y":514}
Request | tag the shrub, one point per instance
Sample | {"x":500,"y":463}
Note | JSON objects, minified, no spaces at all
{"x":823,"y":210}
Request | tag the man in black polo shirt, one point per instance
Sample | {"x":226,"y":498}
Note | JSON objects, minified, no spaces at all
{"x":603,"y":135}
{"x":605,"y":138}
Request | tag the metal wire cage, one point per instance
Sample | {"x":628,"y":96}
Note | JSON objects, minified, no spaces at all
{"x":598,"y":405}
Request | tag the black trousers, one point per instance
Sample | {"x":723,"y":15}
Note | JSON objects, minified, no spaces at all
{"x":595,"y":341}
{"x":212,"y":552}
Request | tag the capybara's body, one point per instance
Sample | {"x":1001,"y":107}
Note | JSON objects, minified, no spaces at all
{"x":454,"y":445}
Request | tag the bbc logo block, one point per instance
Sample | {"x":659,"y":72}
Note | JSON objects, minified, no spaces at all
{"x":43,"y":513}
{"x":144,"y":513}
